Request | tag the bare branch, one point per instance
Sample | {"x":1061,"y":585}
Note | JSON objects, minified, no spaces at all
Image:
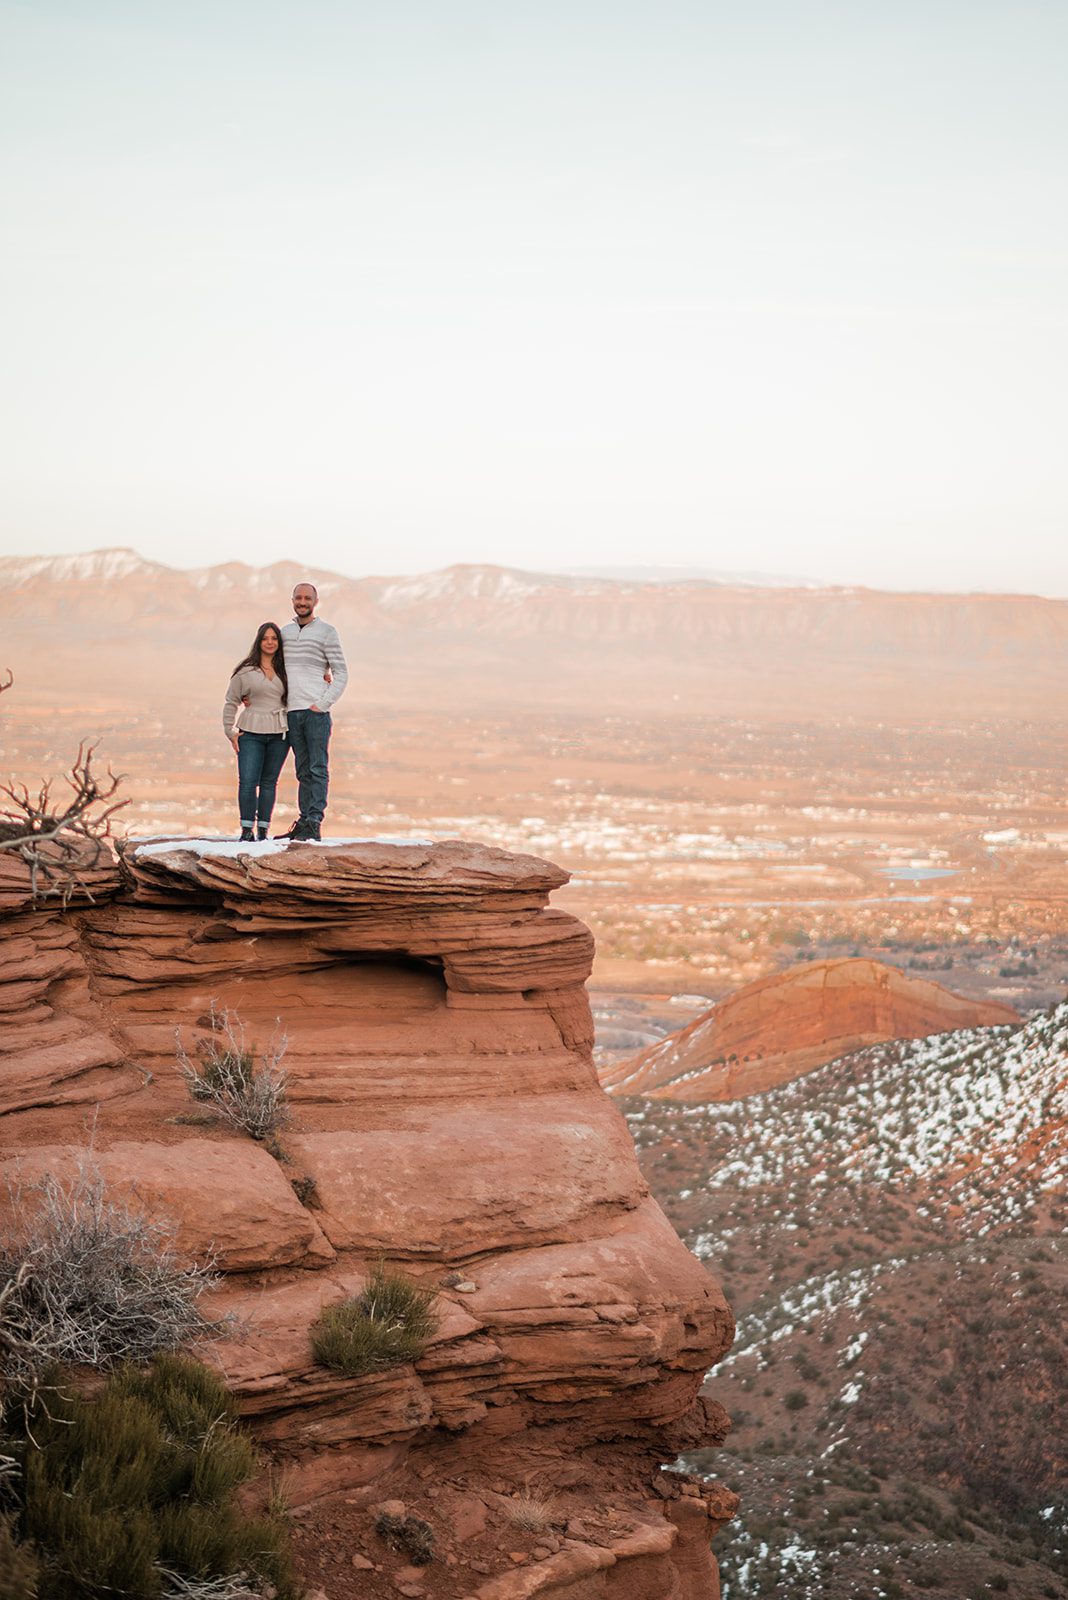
{"x":234,"y":1586}
{"x":89,"y":1281}
{"x":58,"y":841}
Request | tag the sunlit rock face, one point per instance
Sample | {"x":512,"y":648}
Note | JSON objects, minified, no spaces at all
{"x":444,"y":1115}
{"x":782,"y":1026}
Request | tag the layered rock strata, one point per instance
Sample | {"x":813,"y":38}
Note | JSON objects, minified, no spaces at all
{"x":444,"y":1114}
{"x":782,"y":1026}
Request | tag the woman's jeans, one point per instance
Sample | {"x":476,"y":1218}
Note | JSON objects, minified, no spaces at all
{"x":260,"y":758}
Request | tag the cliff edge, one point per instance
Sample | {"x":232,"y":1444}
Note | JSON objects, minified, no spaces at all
{"x":445,"y":1116}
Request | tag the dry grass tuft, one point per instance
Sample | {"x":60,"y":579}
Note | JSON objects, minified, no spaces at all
{"x":226,"y":1077}
{"x":387,"y":1324}
{"x":18,"y":1566}
{"x":534,"y":1512}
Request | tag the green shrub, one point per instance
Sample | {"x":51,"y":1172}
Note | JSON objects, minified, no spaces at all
{"x":388,"y":1323}
{"x":795,"y":1400}
{"x":306,"y":1190}
{"x":18,"y":1569}
{"x":131,"y":1492}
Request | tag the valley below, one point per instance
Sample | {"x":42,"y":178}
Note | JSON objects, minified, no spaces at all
{"x":737,"y":778}
{"x":890,"y":1230}
{"x":705,"y":851}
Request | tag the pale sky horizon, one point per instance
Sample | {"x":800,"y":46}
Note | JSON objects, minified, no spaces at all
{"x":774,"y":288}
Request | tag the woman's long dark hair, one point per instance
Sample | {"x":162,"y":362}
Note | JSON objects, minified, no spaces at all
{"x":253,"y":657}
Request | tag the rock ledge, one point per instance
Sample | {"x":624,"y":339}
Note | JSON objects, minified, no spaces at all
{"x":444,"y":1114}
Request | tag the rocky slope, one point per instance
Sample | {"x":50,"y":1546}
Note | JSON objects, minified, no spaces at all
{"x":891,"y":1231}
{"x":444,"y":1115}
{"x":779,"y":1027}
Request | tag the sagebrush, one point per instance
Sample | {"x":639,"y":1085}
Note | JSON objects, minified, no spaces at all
{"x":18,"y":1566}
{"x":389,"y":1322}
{"x":90,"y":1281}
{"x":226,"y":1076}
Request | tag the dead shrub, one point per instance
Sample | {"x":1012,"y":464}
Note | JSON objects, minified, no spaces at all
{"x":234,"y":1586}
{"x":92,"y":1282}
{"x":411,"y":1536}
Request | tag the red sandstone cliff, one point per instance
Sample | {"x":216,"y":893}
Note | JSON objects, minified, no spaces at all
{"x":446,"y":1109}
{"x":782,"y":1026}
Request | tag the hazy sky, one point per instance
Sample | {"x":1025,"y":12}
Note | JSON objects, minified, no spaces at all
{"x":744,"y":284}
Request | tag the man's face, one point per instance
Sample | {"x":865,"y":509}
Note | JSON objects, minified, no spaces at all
{"x":304,"y":598}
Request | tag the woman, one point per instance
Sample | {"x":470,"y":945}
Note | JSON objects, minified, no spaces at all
{"x":259,"y":690}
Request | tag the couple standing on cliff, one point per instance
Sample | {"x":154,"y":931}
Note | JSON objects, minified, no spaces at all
{"x":278,"y":700}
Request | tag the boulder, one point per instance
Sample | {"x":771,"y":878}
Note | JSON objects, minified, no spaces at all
{"x":451,"y":1184}
{"x":228,"y":1200}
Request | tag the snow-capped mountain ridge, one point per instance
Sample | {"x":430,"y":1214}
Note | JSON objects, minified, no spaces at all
{"x":480,"y":633}
{"x":92,"y":566}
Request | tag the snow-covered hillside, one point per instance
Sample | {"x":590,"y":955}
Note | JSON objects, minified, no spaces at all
{"x":978,"y":1117}
{"x":890,"y":1232}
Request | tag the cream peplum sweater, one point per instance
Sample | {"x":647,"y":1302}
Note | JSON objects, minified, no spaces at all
{"x":265,"y":712}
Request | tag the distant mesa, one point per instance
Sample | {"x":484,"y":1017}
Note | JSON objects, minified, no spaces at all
{"x":780,"y":1027}
{"x":715,"y":646}
{"x":717,"y":575}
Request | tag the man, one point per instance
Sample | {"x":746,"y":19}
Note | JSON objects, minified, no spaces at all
{"x":312,"y":648}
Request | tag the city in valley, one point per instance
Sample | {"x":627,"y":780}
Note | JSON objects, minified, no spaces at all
{"x":705,"y":852}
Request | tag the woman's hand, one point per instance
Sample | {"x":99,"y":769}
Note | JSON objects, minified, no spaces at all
{"x":235,"y":741}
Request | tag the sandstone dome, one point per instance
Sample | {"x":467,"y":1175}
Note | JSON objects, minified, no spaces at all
{"x":782,"y":1026}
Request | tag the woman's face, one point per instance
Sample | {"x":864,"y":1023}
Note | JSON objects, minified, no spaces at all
{"x":269,"y":643}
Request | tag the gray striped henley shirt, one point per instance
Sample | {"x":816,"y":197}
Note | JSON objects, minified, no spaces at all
{"x":309,"y":651}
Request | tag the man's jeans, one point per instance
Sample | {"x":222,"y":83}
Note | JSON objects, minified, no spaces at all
{"x":260,"y":758}
{"x":309,"y":734}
